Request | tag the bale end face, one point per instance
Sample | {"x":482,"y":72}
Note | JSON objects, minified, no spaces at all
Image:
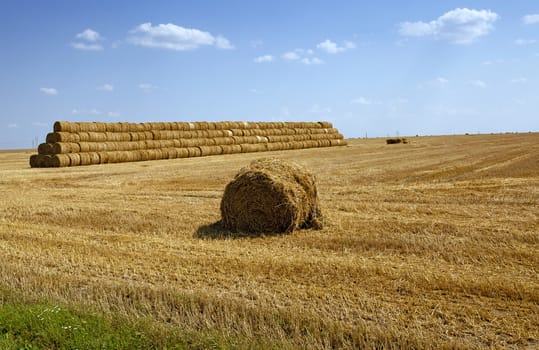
{"x":271,"y":196}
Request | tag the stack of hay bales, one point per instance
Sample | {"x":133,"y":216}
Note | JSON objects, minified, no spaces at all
{"x":87,"y":143}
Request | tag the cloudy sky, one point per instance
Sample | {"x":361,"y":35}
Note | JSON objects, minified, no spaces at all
{"x":373,"y":68}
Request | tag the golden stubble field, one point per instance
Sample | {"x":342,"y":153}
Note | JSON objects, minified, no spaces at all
{"x":433,"y":244}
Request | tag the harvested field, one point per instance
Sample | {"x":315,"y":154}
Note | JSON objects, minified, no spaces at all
{"x":433,"y":244}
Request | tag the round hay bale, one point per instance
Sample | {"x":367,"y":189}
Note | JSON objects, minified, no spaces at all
{"x":194,"y":151}
{"x":59,"y":160}
{"x":65,"y":126}
{"x":62,"y":147}
{"x":104,"y":157}
{"x":230,"y":149}
{"x":224,"y":141}
{"x":45,"y":148}
{"x":35,"y":160}
{"x":253,"y":147}
{"x":210,"y":150}
{"x":324,"y":143}
{"x":271,"y":196}
{"x":84,"y":147}
{"x":275,"y":146}
{"x":74,"y":159}
{"x":182,"y":152}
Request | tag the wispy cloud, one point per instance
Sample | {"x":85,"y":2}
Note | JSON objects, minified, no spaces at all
{"x":333,"y":48}
{"x":313,"y":60}
{"x":106,"y":87}
{"x":361,"y":101}
{"x":439,"y":82}
{"x":88,"y":41}
{"x":147,"y":87}
{"x":478,"y":83}
{"x":531,"y":19}
{"x":113,"y":114}
{"x":523,"y":42}
{"x":264,"y":59}
{"x":12,"y":126}
{"x":173,"y":37}
{"x":459,"y":26}
{"x":48,"y":91}
{"x":303,"y":56}
{"x":520,"y":80}
{"x":89,"y":35}
{"x":291,"y":56}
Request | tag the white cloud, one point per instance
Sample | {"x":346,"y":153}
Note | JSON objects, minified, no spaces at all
{"x":89,"y":35}
{"x":87,"y":47}
{"x":95,"y":111}
{"x":361,"y":101}
{"x":439,"y":82}
{"x":478,"y":83}
{"x":12,"y":126}
{"x":89,"y":39}
{"x":222,"y":43}
{"x":106,"y":87}
{"x":332,"y":47}
{"x":265,"y":58}
{"x":173,"y":37}
{"x":49,"y":91}
{"x":520,"y":80}
{"x":291,"y":56}
{"x":460,"y":26}
{"x":146,"y":87}
{"x":113,"y":114}
{"x":531,"y":19}
{"x":314,"y":60}
{"x":523,"y":42}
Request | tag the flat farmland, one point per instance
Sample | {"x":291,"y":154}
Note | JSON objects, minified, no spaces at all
{"x":431,"y":244}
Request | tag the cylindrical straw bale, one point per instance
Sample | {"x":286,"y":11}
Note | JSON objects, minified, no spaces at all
{"x":74,"y":159}
{"x":104,"y":157}
{"x":194,"y":151}
{"x":337,"y":142}
{"x":249,"y":147}
{"x":36,"y":160}
{"x":84,"y":147}
{"x":84,"y":136}
{"x":275,"y":146}
{"x":62,"y":137}
{"x":94,"y":158}
{"x":271,"y":196}
{"x":202,"y":133}
{"x":230,"y":149}
{"x":182,"y":152}
{"x":59,"y":160}
{"x":62,"y":147}
{"x":324,"y":143}
{"x":210,"y":150}
{"x":45,"y":148}
{"x":237,"y":132}
{"x":65,"y":126}
{"x":224,"y":141}
{"x":326,"y":125}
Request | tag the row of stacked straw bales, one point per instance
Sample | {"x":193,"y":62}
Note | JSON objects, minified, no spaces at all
{"x":88,"y":143}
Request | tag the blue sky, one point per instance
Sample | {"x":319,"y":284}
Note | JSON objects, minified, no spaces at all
{"x":372,"y":68}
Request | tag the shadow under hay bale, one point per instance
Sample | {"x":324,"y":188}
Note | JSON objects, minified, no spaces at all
{"x":216,"y":230}
{"x":271,"y":196}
